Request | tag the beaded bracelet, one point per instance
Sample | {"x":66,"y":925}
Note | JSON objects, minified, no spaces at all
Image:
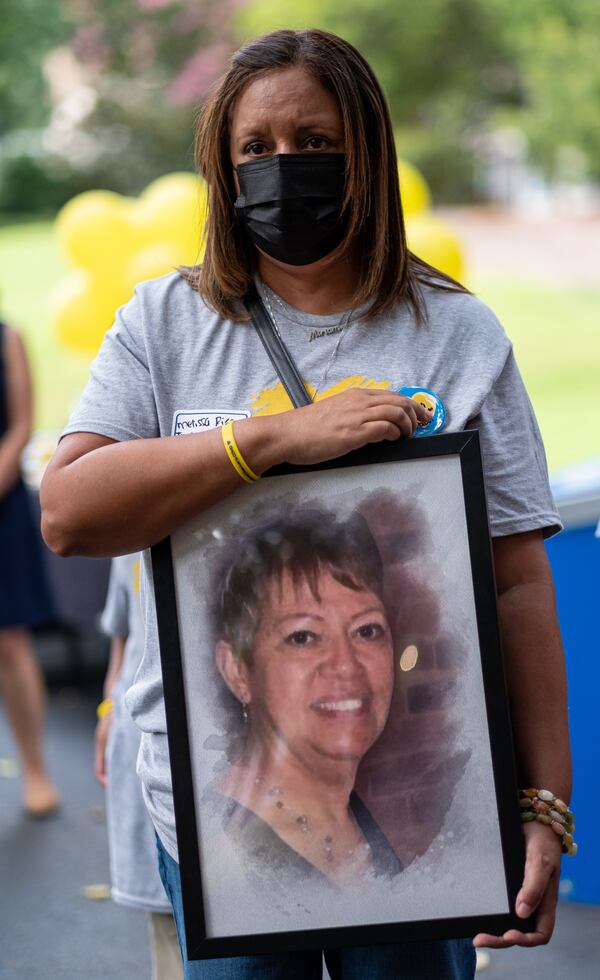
{"x":542,"y":805}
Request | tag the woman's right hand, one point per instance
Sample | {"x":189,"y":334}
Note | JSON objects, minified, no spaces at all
{"x":350,"y":420}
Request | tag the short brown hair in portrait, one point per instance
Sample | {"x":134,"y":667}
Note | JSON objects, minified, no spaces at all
{"x":389,"y":272}
{"x":303,"y":543}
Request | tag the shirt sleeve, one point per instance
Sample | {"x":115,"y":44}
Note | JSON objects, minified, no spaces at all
{"x":114,"y":620}
{"x":514,"y":462}
{"x":118,"y":400}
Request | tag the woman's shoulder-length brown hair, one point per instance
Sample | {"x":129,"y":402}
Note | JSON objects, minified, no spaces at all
{"x":389,"y":272}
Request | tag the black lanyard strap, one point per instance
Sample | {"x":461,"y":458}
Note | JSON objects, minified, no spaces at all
{"x":279,"y":355}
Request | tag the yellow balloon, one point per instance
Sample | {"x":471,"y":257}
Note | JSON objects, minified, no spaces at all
{"x":181,"y":181}
{"x":115,"y":242}
{"x":173,"y":209}
{"x":433,"y":241}
{"x":155,"y":260}
{"x":95,"y":231}
{"x":414,"y":191}
{"x":82,"y":309}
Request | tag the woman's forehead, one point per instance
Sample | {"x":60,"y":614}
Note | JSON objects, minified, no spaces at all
{"x":324,"y":586}
{"x":290,"y":95}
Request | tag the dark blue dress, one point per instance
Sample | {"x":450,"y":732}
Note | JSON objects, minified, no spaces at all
{"x":24,"y":596}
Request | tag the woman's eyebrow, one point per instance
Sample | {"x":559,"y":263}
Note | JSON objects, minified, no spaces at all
{"x":371,"y":609}
{"x":299,"y":615}
{"x":305,"y":127}
{"x":318,"y":124}
{"x":250,"y":134}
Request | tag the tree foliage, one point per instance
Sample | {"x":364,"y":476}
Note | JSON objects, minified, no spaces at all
{"x":149,"y":62}
{"x":112,"y":86}
{"x":452,"y":70}
{"x":556,"y":46}
{"x":28,"y":29}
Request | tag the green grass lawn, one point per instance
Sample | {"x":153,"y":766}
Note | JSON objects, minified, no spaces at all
{"x":554,"y":330}
{"x":557,"y":344}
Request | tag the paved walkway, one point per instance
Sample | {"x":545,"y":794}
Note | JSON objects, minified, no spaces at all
{"x":50,"y":931}
{"x":555,"y":250}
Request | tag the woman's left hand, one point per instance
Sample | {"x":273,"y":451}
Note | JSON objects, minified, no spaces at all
{"x":539,"y":892}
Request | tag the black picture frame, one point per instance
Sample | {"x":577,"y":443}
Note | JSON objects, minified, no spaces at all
{"x":464,"y":447}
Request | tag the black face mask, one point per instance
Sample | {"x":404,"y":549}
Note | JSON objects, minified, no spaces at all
{"x":290,"y":204}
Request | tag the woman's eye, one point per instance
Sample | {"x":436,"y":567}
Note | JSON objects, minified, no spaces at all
{"x":301,"y":638}
{"x":316,"y":142}
{"x":371,"y":631}
{"x":254,"y":149}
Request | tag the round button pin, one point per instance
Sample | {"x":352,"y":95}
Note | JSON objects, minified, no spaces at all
{"x":433,"y":404}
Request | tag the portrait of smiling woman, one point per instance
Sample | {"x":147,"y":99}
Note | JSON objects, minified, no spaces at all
{"x":306,"y":649}
{"x":296,"y":146}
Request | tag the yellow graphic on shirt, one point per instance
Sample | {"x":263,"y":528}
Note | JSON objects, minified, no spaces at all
{"x":136,"y":575}
{"x":271,"y":401}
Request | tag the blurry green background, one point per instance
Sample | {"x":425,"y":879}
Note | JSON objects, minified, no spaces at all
{"x":497,"y":104}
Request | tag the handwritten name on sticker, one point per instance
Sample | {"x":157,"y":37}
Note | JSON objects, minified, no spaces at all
{"x":186,"y":423}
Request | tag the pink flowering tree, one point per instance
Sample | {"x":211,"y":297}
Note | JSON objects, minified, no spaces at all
{"x":145,"y":66}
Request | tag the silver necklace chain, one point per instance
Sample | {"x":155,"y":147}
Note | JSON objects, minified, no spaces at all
{"x":303,"y":824}
{"x":339,"y":328}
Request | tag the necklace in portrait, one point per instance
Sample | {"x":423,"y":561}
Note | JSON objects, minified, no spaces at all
{"x":352,"y":855}
{"x":339,"y":329}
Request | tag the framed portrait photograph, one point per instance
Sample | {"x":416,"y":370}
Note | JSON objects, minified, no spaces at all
{"x":338,"y":725}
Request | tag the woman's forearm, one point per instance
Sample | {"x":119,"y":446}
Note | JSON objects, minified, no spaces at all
{"x":123,"y":497}
{"x":537,"y":687}
{"x":102,"y":498}
{"x":536,"y":678}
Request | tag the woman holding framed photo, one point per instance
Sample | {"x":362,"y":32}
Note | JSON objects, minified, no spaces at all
{"x":297,"y":148}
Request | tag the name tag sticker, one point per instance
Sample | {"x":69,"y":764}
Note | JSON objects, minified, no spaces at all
{"x":186,"y":423}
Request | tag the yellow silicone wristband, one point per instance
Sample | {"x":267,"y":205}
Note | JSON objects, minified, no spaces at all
{"x":104,"y":708}
{"x":235,"y":457}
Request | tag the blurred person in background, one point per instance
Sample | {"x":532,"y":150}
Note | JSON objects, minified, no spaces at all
{"x":24,"y":598}
{"x":297,"y":147}
{"x":132,"y":843}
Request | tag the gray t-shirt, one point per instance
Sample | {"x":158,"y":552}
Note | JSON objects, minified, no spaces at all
{"x":171,"y":365}
{"x":131,"y":843}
